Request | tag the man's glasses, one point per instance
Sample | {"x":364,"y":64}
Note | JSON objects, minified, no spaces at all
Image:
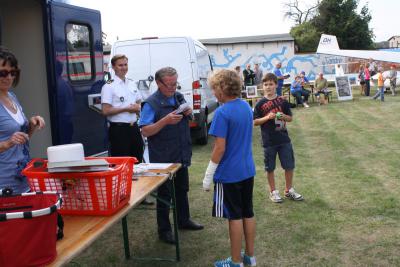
{"x":171,"y":86}
{"x":5,"y":73}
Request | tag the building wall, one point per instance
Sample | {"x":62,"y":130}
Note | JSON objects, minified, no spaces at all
{"x":228,"y":56}
{"x":394,"y":42}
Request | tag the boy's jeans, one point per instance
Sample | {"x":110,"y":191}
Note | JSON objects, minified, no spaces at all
{"x":380,"y":92}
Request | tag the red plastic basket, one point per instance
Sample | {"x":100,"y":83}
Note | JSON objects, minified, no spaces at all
{"x":86,"y":193}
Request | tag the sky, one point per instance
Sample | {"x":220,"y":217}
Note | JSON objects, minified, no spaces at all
{"x":130,"y":19}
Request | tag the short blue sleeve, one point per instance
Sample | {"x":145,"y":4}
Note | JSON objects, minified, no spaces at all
{"x":147,"y":115}
{"x":277,"y":72}
{"x":219,"y":127}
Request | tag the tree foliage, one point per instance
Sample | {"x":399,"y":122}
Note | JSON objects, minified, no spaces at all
{"x":295,"y":12}
{"x":339,"y":18}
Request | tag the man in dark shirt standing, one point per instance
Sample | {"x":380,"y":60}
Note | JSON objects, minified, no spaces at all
{"x":248,"y":76}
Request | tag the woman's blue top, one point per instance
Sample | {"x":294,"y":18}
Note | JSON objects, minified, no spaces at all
{"x":14,"y":159}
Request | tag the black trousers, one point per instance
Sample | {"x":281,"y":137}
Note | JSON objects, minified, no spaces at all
{"x":367,"y":88}
{"x":182,"y":202}
{"x":125,"y":140}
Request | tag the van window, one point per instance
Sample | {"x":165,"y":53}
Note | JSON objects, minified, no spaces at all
{"x":79,"y":52}
{"x":203,"y":61}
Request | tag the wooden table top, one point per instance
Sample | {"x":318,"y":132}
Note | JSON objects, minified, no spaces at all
{"x":81,"y":231}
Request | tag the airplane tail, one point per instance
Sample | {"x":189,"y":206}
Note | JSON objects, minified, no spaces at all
{"x":327,"y":42}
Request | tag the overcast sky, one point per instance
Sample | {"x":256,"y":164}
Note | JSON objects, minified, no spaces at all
{"x":130,"y":19}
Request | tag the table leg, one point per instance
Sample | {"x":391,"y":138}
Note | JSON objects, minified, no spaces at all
{"x":312,"y":92}
{"x":178,"y":256}
{"x":126,"y":238}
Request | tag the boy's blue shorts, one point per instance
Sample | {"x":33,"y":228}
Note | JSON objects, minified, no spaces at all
{"x":285,"y":153}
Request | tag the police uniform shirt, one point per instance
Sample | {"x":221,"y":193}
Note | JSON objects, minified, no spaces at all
{"x":121,"y":94}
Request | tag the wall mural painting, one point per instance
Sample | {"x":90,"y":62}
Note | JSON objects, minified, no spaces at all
{"x":312,"y":64}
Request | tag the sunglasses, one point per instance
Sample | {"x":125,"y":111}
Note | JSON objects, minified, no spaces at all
{"x":5,"y":73}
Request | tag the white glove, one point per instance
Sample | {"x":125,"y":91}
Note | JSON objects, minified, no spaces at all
{"x":209,"y":175}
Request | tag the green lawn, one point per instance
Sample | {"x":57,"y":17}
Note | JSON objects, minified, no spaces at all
{"x":347,"y":157}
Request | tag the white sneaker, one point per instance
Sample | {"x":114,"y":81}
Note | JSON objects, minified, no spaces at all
{"x":293,"y":195}
{"x":275,"y":197}
{"x":306,"y":105}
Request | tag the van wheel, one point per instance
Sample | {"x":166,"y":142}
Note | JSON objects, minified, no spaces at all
{"x":203,"y":139}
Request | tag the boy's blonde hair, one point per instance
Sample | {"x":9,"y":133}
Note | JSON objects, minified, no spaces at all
{"x":227,"y":81}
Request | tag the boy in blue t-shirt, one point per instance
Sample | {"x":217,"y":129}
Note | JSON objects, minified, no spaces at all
{"x":271,"y":113}
{"x":232,"y":167}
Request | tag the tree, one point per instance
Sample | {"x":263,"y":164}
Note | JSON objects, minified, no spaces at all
{"x":295,"y":13}
{"x":306,"y":36}
{"x":339,"y":18}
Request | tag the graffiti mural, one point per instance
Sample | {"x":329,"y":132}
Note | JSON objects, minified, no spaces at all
{"x":268,"y":56}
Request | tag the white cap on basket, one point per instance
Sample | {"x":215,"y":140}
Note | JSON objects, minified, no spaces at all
{"x":65,"y":155}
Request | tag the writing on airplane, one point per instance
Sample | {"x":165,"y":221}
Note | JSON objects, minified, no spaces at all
{"x":326,"y":40}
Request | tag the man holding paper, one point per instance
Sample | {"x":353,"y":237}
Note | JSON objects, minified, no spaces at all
{"x":165,"y":122}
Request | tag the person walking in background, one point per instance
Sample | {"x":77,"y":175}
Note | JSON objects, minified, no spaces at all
{"x":281,"y":78}
{"x":258,"y":74}
{"x":248,"y":76}
{"x":15,"y":128}
{"x":272,"y":113}
{"x":381,"y":88}
{"x":169,"y":140}
{"x":361,"y":77}
{"x":232,"y":167}
{"x":298,"y":92}
{"x":393,"y":79}
{"x":367,"y":78}
{"x":321,"y":85}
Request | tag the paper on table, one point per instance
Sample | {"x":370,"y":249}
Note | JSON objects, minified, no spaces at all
{"x":153,"y":166}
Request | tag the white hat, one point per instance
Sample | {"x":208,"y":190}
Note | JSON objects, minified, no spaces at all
{"x":71,"y":155}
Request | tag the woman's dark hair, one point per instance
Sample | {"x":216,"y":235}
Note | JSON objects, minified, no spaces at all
{"x":8,"y":57}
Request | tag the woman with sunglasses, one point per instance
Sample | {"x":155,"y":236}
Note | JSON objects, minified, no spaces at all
{"x":15,"y":129}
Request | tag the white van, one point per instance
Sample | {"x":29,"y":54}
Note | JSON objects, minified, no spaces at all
{"x":191,"y":60}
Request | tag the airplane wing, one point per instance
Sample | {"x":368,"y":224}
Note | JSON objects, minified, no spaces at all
{"x":328,"y":45}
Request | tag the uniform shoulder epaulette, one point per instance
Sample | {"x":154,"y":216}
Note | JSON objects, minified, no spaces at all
{"x":129,"y":79}
{"x":110,"y":81}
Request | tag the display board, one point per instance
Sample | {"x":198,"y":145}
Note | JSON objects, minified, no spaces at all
{"x":251,"y":91}
{"x":343,"y":88}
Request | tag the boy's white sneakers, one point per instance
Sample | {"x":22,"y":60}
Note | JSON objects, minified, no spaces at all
{"x":293,"y":195}
{"x":275,"y":197}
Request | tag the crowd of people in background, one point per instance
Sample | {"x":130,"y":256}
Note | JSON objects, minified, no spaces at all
{"x":301,"y":88}
{"x":368,"y":71}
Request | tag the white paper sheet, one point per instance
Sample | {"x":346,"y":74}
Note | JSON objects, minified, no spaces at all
{"x":153,"y":166}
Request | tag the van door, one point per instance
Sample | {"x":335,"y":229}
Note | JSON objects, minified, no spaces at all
{"x":77,"y":77}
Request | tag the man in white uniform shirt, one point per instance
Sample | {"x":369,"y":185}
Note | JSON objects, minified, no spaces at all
{"x":120,"y":102}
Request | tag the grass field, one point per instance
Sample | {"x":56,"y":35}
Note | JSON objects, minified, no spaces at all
{"x":347,"y":168}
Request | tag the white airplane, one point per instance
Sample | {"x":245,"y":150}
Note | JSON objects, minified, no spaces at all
{"x":328,"y":45}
